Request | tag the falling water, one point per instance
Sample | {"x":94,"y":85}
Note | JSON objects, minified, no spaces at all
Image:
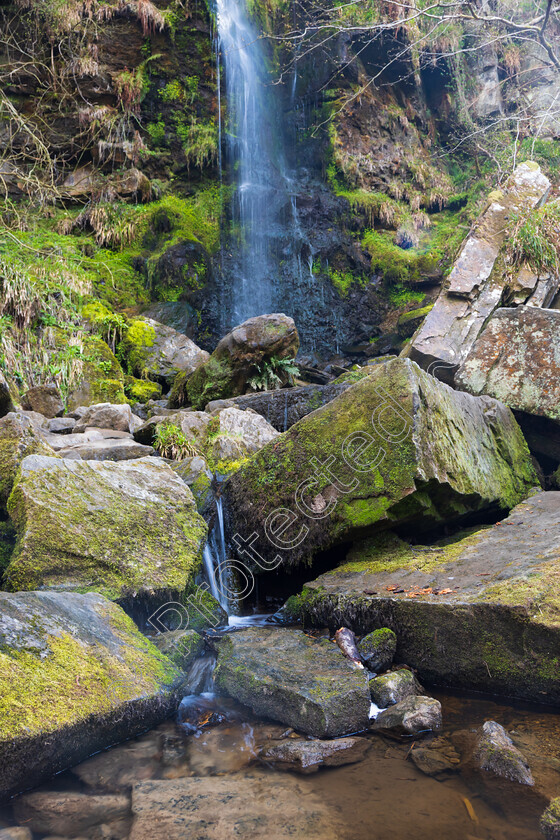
{"x":261,"y":209}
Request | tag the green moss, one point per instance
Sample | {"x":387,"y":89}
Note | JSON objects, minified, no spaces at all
{"x":101,"y":378}
{"x":141,"y":390}
{"x":136,"y":345}
{"x":44,"y":693}
{"x":211,"y":381}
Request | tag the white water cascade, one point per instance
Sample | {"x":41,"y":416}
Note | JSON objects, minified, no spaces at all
{"x":261,"y":206}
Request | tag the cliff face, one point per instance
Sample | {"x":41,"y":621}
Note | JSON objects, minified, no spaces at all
{"x":111,"y":153}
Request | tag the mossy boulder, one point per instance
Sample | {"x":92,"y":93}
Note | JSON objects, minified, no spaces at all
{"x":477,"y":611}
{"x":238,"y":356}
{"x":496,"y":753}
{"x":397,"y":447}
{"x":409,"y":322}
{"x":101,"y":379}
{"x":157,"y":352}
{"x":232,"y":436}
{"x":285,"y":675}
{"x":197,"y":476}
{"x":181,"y":646}
{"x":393,"y":687}
{"x":76,"y":676}
{"x":129,"y":530}
{"x":19,"y":437}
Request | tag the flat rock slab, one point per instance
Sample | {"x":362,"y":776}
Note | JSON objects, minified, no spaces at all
{"x":397,"y":447}
{"x":124,"y":529}
{"x":252,"y":806}
{"x":76,"y":676}
{"x":476,"y":282}
{"x":302,"y":682}
{"x":481,"y":612}
{"x":308,"y":756}
{"x":517,"y":360}
{"x":107,"y":450}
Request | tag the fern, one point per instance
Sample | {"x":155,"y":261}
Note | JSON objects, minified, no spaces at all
{"x":272,"y":374}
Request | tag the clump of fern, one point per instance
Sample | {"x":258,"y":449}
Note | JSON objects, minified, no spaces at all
{"x":170,"y":442}
{"x":273,"y":374}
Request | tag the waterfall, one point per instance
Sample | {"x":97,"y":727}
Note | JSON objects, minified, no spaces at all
{"x":261,"y":209}
{"x":215,"y":562}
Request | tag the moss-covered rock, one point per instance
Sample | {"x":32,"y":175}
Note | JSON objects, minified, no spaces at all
{"x":157,"y":352}
{"x":496,"y":753}
{"x":550,"y":821}
{"x":101,"y":379}
{"x":232,"y":436}
{"x":238,"y":356}
{"x":181,"y":646}
{"x":141,"y":390}
{"x":478,"y":611}
{"x":409,"y":322}
{"x":397,"y":447}
{"x":306,"y":683}
{"x":378,"y":649}
{"x":128,"y":529}
{"x":75,"y":676}
{"x":18,"y":438}
{"x":196,"y":475}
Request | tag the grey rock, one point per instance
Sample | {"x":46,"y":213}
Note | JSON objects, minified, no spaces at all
{"x":181,"y":646}
{"x":168,"y":354}
{"x":16,"y":833}
{"x":392,"y":688}
{"x":193,"y":424}
{"x":61,"y":425}
{"x":106,"y":416}
{"x":411,"y":716}
{"x":44,"y":399}
{"x":476,"y":283}
{"x":496,"y":752}
{"x":107,"y":450}
{"x":308,"y":756}
{"x":378,"y":649}
{"x":306,"y":684}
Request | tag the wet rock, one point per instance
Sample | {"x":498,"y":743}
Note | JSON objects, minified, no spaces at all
{"x":44,"y":399}
{"x":308,"y":756}
{"x":127,"y":529}
{"x":496,"y":752}
{"x":61,"y":425}
{"x":409,"y":322}
{"x":20,"y":436}
{"x":378,"y":649}
{"x":286,"y":406}
{"x":477,"y":281}
{"x":68,"y":813}
{"x":238,"y":355}
{"x":496,"y":584}
{"x":411,"y":716}
{"x":221,"y":750}
{"x":160,"y":352}
{"x":517,"y":360}
{"x":82,"y":677}
{"x":392,"y":688}
{"x":107,"y":416}
{"x":6,"y":404}
{"x":439,"y":756}
{"x":396,"y":447}
{"x":302,"y":682}
{"x":181,"y":646}
{"x":241,"y":805}
{"x":550,"y":821}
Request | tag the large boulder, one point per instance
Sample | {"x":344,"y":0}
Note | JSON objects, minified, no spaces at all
{"x":477,"y":280}
{"x":397,"y":447}
{"x":76,"y":676}
{"x":159,"y":352}
{"x":20,"y":435}
{"x":127,"y":529}
{"x":517,"y":360}
{"x":287,"y":676}
{"x":476,"y":611}
{"x":44,"y":399}
{"x":101,"y":378}
{"x":244,"y":805}
{"x":238,"y":356}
